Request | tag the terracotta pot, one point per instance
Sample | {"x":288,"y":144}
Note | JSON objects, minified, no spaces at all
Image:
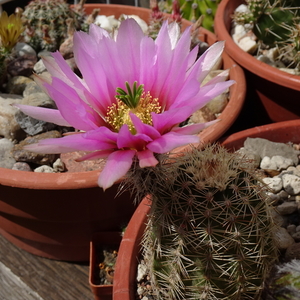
{"x":278,"y":91}
{"x":126,"y":266}
{"x":55,"y":215}
{"x":101,"y":239}
{"x":124,"y":287}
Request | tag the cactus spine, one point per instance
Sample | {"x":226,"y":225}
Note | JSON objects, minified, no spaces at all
{"x":275,"y":24}
{"x":209,"y":234}
{"x":46,"y":23}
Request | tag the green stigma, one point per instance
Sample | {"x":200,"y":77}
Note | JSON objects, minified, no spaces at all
{"x":132,"y":97}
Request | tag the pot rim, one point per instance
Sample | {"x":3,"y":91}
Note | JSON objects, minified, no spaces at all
{"x":246,"y":60}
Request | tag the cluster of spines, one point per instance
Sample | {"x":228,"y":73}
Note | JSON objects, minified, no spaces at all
{"x":210,"y":234}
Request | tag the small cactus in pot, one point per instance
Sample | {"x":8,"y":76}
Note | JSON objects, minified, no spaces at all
{"x":275,"y":24}
{"x":46,"y":23}
{"x":210,"y":231}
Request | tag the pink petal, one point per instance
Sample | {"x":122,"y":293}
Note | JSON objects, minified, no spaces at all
{"x":45,"y":114}
{"x":142,"y":128}
{"x":128,"y":41}
{"x":69,"y":143}
{"x":207,"y":93}
{"x":95,"y":155}
{"x":206,"y":61}
{"x":170,"y":141}
{"x":165,"y":121}
{"x":71,"y":106}
{"x":127,"y":140}
{"x":146,"y":159}
{"x":118,"y":164}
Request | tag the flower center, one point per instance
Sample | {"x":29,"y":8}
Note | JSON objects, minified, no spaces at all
{"x":137,"y":102}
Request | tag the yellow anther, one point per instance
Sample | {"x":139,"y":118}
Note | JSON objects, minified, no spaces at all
{"x":118,"y":114}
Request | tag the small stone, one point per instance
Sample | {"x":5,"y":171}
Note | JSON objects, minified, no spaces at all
{"x":23,"y":49}
{"x":59,"y":166}
{"x":237,"y":32}
{"x":293,"y":252}
{"x":275,"y":183}
{"x":44,"y":169}
{"x":291,"y":229}
{"x":107,"y":22}
{"x":9,"y":128}
{"x":296,"y":236}
{"x":287,"y":208}
{"x":282,"y":238}
{"x":276,"y":162}
{"x":21,"y":66}
{"x":291,"y":184}
{"x":20,"y":154}
{"x":248,"y":44}
{"x":278,"y":219}
{"x":142,"y":272}
{"x":31,"y":88}
{"x":39,"y":99}
{"x":298,"y":228}
{"x":17,"y":84}
{"x":39,"y":67}
{"x":6,"y":159}
{"x":22,"y":166}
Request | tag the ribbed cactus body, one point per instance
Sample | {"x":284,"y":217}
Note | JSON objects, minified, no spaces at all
{"x":45,"y":21}
{"x":209,"y":234}
{"x":275,"y":24}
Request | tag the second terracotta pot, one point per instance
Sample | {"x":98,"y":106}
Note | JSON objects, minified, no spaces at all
{"x":278,"y":91}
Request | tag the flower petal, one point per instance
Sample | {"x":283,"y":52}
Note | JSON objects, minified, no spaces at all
{"x":146,"y":159}
{"x":127,"y":140}
{"x":118,"y":164}
{"x":165,"y":121}
{"x":170,"y":141}
{"x":69,"y":143}
{"x":45,"y":114}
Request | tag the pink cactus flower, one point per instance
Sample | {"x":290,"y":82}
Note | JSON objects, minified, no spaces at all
{"x":133,"y":94}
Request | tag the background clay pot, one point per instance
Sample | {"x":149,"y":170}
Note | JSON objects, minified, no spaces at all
{"x":278,"y":92}
{"x":55,"y":215}
{"x":126,"y":266}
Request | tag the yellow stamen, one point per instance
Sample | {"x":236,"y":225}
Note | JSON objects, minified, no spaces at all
{"x":118,"y":113}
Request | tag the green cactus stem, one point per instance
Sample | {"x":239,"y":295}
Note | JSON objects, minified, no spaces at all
{"x":210,"y":232}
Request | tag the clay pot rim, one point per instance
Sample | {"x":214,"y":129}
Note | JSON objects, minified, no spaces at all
{"x":87,"y":179}
{"x":246,"y":60}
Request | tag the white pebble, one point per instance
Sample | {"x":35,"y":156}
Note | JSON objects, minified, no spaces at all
{"x":44,"y":169}
{"x":291,"y":184}
{"x":275,"y":183}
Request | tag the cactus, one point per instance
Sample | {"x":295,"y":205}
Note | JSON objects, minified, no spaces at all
{"x":192,"y":10}
{"x":209,"y":234}
{"x":275,"y":24}
{"x":46,"y":23}
{"x":285,"y":282}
